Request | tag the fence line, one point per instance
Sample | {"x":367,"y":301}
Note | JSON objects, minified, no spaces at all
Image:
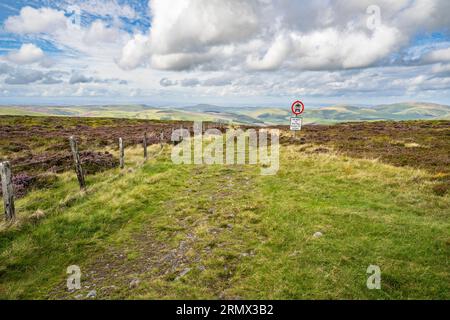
{"x":6,"y":172}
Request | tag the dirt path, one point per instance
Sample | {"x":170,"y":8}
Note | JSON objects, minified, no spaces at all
{"x":195,"y":242}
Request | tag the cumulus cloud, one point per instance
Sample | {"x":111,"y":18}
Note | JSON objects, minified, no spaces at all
{"x":80,"y":78}
{"x":50,"y":79}
{"x":32,"y":20}
{"x":28,"y":53}
{"x":270,"y":35}
{"x":183,"y":32}
{"x":24,"y":76}
{"x":134,"y":52}
{"x":441,"y":55}
{"x":189,"y":82}
{"x":188,"y":26}
{"x":221,"y":47}
{"x":217,"y":81}
{"x":193,"y":82}
{"x":441,"y":70}
{"x":164,"y":82}
{"x":99,"y":32}
{"x":330,"y":49}
{"x":5,"y":68}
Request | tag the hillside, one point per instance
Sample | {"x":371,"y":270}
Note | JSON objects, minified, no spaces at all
{"x":244,"y":115}
{"x":157,"y":230}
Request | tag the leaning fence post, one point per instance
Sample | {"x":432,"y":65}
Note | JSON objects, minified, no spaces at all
{"x":145,"y":146}
{"x":181,"y":135}
{"x":121,"y":154}
{"x":76,"y":159}
{"x":8,"y":191}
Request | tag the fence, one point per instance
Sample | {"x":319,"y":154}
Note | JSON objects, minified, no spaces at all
{"x":7,"y":175}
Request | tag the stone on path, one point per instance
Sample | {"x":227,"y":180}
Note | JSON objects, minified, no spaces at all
{"x":318,"y":234}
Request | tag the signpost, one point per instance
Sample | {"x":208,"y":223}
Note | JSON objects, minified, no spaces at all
{"x":296,"y":122}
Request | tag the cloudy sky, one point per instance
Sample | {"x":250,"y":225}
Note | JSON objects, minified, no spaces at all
{"x":227,"y":52}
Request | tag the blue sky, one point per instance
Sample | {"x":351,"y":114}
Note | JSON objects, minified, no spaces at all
{"x":227,"y":52}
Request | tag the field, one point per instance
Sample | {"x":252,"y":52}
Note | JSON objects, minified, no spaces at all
{"x":378,"y":192}
{"x":274,"y":115}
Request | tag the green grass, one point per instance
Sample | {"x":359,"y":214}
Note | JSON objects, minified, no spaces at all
{"x":239,"y":234}
{"x":15,"y":111}
{"x":369,"y":213}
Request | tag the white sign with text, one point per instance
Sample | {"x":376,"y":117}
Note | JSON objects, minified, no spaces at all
{"x":296,"y":124}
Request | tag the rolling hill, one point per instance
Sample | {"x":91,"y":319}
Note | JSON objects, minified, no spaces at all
{"x":244,"y":115}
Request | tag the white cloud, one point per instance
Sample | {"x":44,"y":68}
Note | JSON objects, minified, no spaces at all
{"x":330,"y":49}
{"x":24,"y":76}
{"x":441,"y":55}
{"x":134,"y":52}
{"x":107,"y":8}
{"x":183,"y":32}
{"x":30,"y":20}
{"x":189,"y":25}
{"x":189,"y":82}
{"x":201,"y":48}
{"x":80,"y":78}
{"x":165,"y":82}
{"x":275,"y":56}
{"x":269,"y":35}
{"x":28,"y":53}
{"x":99,"y":32}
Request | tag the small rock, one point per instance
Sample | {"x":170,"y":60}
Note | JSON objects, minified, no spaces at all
{"x":134,"y":283}
{"x":201,"y":268}
{"x":79,"y":296}
{"x":91,"y":294}
{"x":183,"y":273}
{"x":318,"y":234}
{"x":38,"y":215}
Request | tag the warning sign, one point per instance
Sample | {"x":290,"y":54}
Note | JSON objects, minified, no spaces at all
{"x":297,"y":107}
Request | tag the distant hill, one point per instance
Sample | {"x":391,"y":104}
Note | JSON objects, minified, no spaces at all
{"x":399,"y":111}
{"x":244,"y":115}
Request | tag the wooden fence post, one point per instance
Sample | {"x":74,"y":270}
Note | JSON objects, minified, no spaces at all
{"x":8,"y":191}
{"x":145,"y":146}
{"x":161,"y":139}
{"x":121,"y":154}
{"x":182,"y":135}
{"x":76,"y":159}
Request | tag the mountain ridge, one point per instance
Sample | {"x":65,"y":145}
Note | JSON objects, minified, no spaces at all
{"x":245,"y":115}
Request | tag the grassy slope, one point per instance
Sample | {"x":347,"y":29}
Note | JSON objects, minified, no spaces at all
{"x":240,"y":234}
{"x":247,"y":115}
{"x":15,"y":111}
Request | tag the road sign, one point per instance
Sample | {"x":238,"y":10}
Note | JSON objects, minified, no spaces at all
{"x":297,"y":107}
{"x":296,"y":124}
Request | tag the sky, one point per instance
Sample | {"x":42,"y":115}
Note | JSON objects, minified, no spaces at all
{"x":224,"y":52}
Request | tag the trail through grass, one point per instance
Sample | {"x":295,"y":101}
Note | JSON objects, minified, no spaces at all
{"x":161,"y":230}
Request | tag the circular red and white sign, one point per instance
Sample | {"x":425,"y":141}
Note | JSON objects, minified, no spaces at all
{"x":298,"y":107}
